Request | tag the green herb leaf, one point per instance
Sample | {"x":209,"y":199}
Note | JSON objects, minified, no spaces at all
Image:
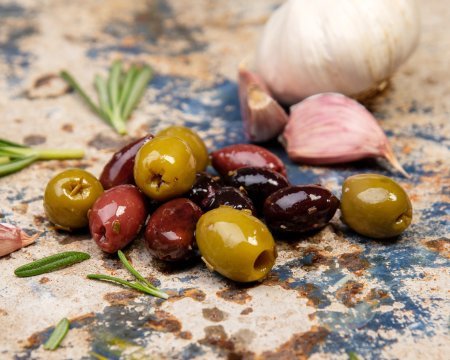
{"x":57,"y":335}
{"x":135,"y":286}
{"x":51,"y":263}
{"x":102,"y":91}
{"x":137,"y":91}
{"x":16,"y":165}
{"x":133,"y":271}
{"x":114,"y":84}
{"x":352,"y":356}
{"x":4,"y":160}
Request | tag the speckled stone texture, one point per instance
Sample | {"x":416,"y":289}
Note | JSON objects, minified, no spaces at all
{"x":329,"y":294}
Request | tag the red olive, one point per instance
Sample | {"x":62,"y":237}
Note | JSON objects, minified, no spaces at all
{"x":170,"y":231}
{"x":117,"y":217}
{"x":297,"y":209}
{"x":119,"y":170}
{"x":234,"y":157}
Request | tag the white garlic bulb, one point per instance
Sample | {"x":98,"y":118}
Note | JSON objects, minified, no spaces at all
{"x":346,"y":46}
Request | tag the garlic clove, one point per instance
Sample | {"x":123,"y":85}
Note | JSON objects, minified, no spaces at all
{"x":12,"y":238}
{"x":263,"y":117}
{"x":331,"y":128}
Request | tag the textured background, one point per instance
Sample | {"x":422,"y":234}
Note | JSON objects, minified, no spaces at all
{"x":328,"y":294}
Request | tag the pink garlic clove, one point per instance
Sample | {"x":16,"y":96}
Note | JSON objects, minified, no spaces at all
{"x":263,"y":117}
{"x":331,"y":128}
{"x":12,"y":238}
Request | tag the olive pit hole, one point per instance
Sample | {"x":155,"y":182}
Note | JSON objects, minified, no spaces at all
{"x":263,"y":261}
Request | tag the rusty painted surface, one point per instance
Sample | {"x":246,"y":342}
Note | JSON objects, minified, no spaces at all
{"x":329,"y":293}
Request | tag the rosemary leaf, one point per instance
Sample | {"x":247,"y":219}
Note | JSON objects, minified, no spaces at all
{"x":51,"y":263}
{"x":137,"y":91}
{"x":133,"y":271}
{"x":127,"y":85}
{"x":74,"y":84}
{"x":114,"y":84}
{"x":136,"y":286}
{"x":102,"y":91}
{"x":4,"y":160}
{"x":57,"y":335}
{"x":16,"y":165}
{"x":4,"y":142}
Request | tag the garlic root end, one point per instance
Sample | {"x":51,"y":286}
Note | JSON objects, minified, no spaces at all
{"x":390,"y":157}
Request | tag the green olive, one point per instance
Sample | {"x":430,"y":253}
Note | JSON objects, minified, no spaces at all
{"x":375,"y":206}
{"x":194,"y":141}
{"x":69,"y":196}
{"x":164,"y":167}
{"x":235,"y":244}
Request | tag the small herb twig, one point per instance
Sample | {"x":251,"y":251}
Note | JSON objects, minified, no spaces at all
{"x":57,"y":335}
{"x":142,"y":284}
{"x":51,"y":263}
{"x":136,"y":286}
{"x":133,"y":271}
{"x":15,"y":157}
{"x":118,"y":95}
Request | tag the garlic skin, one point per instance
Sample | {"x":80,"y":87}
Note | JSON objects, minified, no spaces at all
{"x":263,"y":117}
{"x":12,"y":238}
{"x":331,"y":128}
{"x":346,"y":46}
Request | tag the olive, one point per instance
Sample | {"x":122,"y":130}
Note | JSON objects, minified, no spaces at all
{"x":230,"y":196}
{"x":237,"y":156}
{"x":194,"y":141}
{"x":235,"y":244}
{"x":204,"y":188}
{"x":170,"y":231}
{"x":164,"y":168}
{"x":119,"y":170}
{"x":68,"y":197}
{"x":296,"y":209}
{"x":259,"y":183}
{"x":375,"y":206}
{"x":117,"y":217}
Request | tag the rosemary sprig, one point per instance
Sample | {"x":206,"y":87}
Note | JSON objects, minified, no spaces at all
{"x":118,"y":95}
{"x":57,"y":335}
{"x":141,"y":284}
{"x":15,"y":157}
{"x":133,"y":271}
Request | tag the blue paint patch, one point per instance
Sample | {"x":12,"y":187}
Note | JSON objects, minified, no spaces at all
{"x":191,"y":352}
{"x":11,"y":11}
{"x":437,"y":211}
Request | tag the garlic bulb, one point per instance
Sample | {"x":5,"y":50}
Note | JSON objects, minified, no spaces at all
{"x":263,"y":117}
{"x":346,"y":46}
{"x":331,"y":128}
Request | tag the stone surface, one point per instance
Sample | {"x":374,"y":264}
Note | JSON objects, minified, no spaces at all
{"x":329,"y":294}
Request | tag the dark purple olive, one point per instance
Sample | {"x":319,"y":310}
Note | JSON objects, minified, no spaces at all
{"x":296,"y":209}
{"x":170,"y":231}
{"x":119,"y":170}
{"x":204,"y":188}
{"x":233,"y":197}
{"x":116,"y":217}
{"x":258,"y":182}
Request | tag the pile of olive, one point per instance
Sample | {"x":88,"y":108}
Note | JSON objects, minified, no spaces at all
{"x":159,"y":182}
